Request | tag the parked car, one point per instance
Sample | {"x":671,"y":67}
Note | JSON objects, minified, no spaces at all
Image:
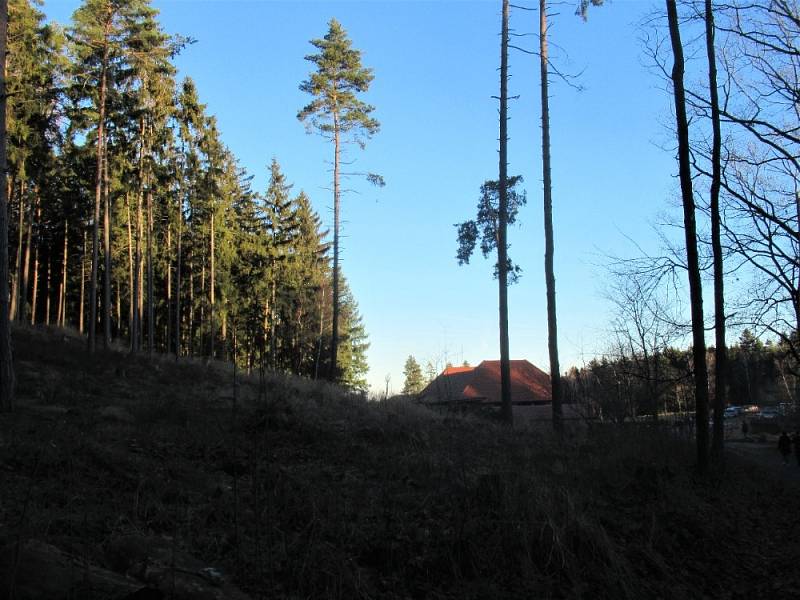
{"x":732,"y":411}
{"x":769,"y":412}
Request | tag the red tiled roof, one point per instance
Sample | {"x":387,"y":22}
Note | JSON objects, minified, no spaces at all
{"x":529,"y":384}
{"x":454,"y":370}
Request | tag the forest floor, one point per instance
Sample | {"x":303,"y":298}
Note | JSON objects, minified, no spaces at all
{"x":125,"y":476}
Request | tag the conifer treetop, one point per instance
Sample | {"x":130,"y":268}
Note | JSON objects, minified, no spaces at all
{"x":334,"y":85}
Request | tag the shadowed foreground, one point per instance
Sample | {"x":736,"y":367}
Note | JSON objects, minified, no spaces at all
{"x":120,"y":474}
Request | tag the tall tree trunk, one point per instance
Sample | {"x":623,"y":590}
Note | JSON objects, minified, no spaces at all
{"x":35,"y":275}
{"x":131,"y":294}
{"x":136,"y":330}
{"x":83,"y":286}
{"x":47,"y":291}
{"x":549,"y":244}
{"x":168,"y":332}
{"x":273,"y":334}
{"x":212,"y":285}
{"x":178,"y":267}
{"x":7,"y":378}
{"x":17,"y":293}
{"x":191,"y":305}
{"x":720,"y":350}
{"x":23,"y":297}
{"x":106,"y":255}
{"x":62,"y":297}
{"x":136,"y":333}
{"x":690,"y":229}
{"x":151,"y":343}
{"x":119,"y":308}
{"x":223,"y":336}
{"x":98,"y":192}
{"x":321,"y":331}
{"x":203,"y":298}
{"x":334,"y":373}
{"x":502,"y":243}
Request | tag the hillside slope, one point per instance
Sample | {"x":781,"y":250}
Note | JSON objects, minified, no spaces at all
{"x":118,"y":473}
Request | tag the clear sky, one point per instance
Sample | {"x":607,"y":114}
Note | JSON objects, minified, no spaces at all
{"x":435,"y":65}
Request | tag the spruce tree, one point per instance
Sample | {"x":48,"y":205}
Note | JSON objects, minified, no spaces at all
{"x":414,"y":381}
{"x":189,"y":117}
{"x":311,"y":270}
{"x":338,"y":115}
{"x":352,"y":358}
{"x":280,"y":220}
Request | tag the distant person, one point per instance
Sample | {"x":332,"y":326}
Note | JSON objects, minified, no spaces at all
{"x":796,"y":442}
{"x":745,"y":428}
{"x":785,"y":447}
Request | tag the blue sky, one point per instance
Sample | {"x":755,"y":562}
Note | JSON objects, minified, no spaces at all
{"x":435,"y":66}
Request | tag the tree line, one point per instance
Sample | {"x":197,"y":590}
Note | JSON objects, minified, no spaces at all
{"x":627,"y":384}
{"x":131,"y":220}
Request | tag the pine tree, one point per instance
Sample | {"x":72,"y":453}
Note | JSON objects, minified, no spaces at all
{"x":547,"y":185}
{"x":33,"y":81}
{"x":122,"y":94}
{"x":485,"y":226}
{"x":337,"y":114}
{"x":6,"y":361}
{"x":414,"y":381}
{"x":550,"y":279}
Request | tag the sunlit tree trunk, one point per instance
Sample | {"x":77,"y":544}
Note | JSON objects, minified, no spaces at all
{"x":168,"y":332}
{"x":7,"y":379}
{"x":47,"y":292}
{"x":321,"y":333}
{"x":203,"y":299}
{"x":502,"y":244}
{"x":550,"y":279}
{"x":107,"y":256}
{"x":334,"y":373}
{"x":83,"y":286}
{"x":190,"y":324}
{"x":34,"y":297}
{"x":131,"y":294}
{"x":17,"y":293}
{"x":178,"y":268}
{"x":23,"y":298}
{"x":62,"y":296}
{"x":212,"y":285}
{"x":119,"y":309}
{"x":150,"y":306}
{"x":98,"y":194}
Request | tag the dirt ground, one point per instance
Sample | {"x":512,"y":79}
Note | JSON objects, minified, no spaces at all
{"x":766,"y":456}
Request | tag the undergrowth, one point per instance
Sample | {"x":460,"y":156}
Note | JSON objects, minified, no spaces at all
{"x":297,"y":489}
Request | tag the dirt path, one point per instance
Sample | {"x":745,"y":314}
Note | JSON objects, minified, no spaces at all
{"x":766,"y":456}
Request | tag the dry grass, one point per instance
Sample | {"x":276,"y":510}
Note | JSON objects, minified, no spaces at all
{"x":300,"y":490}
